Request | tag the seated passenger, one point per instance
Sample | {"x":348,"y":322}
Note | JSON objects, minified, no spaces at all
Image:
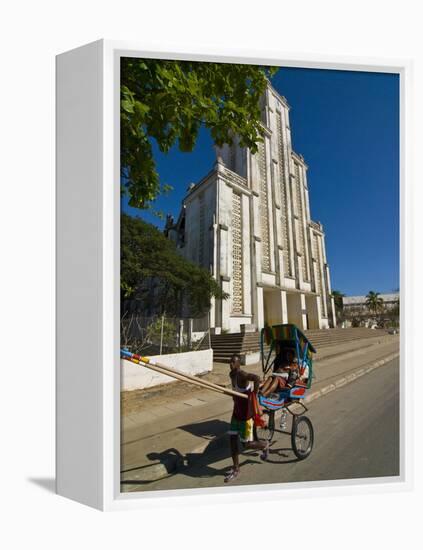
{"x":285,"y":374}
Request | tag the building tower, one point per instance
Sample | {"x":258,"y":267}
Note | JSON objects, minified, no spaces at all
{"x":248,"y":222}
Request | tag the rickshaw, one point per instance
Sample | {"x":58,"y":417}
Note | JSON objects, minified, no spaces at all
{"x":274,"y":342}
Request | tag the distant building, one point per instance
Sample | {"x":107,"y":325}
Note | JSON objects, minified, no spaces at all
{"x":248,"y":222}
{"x":355,"y":307}
{"x":358,"y":303}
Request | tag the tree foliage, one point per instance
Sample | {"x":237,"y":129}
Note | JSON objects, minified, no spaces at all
{"x":374,"y":302}
{"x":154,"y":273}
{"x":337,"y":298}
{"x":168,"y":101}
{"x":339,"y":304}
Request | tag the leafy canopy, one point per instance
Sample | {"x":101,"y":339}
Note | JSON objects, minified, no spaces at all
{"x":169,"y":101}
{"x":374,"y":301}
{"x":149,"y":259}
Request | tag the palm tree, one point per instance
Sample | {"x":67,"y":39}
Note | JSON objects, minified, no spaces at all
{"x":374,"y":302}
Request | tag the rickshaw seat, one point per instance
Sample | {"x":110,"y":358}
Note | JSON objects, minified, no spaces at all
{"x":287,"y":394}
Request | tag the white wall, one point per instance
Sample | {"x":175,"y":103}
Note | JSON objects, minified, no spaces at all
{"x":135,"y":377}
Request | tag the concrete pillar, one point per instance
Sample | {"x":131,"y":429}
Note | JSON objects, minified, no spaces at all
{"x":320,"y":266}
{"x":300,"y":260}
{"x":281,"y":272}
{"x":181,"y":333}
{"x":273,"y":306}
{"x":306,"y":197}
{"x":189,"y":333}
{"x":284,"y":307}
{"x":226,"y":304}
{"x":212,"y":316}
{"x":260,"y":308}
{"x":313,"y":312}
{"x":331,"y":312}
{"x":303,"y":312}
{"x":257,"y":245}
{"x":319,"y":310}
{"x":296,"y":309}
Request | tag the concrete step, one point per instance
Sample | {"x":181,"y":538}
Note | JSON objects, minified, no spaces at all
{"x":224,"y":345}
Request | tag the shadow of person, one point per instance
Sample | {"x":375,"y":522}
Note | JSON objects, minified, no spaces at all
{"x":207,"y":429}
{"x":46,"y":483}
{"x":168,"y":457}
{"x":171,"y":459}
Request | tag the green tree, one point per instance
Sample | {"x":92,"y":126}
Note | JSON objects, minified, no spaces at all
{"x":339,"y":305}
{"x":337,"y":298}
{"x":168,"y":101}
{"x":152,"y":270}
{"x":374,"y":302}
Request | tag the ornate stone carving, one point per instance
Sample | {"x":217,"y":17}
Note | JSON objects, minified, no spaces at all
{"x":237,"y":260}
{"x":264,"y":215}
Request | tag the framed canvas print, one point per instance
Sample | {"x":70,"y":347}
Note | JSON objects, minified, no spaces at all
{"x":230,"y":280}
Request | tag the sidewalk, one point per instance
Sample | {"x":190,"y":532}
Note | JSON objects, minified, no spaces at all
{"x":135,"y":401}
{"x":176,"y":424}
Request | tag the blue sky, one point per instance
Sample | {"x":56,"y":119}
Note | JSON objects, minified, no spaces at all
{"x":346,"y":125}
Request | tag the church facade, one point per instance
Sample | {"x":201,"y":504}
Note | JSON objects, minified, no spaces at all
{"x":248,"y":222}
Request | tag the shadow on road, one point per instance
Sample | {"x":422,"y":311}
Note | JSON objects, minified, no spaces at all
{"x":285,"y":455}
{"x":201,"y":464}
{"x":207,"y":429}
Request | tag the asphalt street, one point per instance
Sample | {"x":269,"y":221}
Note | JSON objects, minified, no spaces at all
{"x":356,"y":436}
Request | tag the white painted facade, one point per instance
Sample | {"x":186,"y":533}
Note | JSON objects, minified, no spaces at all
{"x":248,"y":222}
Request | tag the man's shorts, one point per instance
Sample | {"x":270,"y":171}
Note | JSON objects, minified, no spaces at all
{"x":243,"y":428}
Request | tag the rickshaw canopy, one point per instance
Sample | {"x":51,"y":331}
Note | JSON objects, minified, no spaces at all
{"x":286,"y":336}
{"x":289,"y":334}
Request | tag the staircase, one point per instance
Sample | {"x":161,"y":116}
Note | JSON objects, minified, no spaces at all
{"x":334,"y":336}
{"x":225,"y":345}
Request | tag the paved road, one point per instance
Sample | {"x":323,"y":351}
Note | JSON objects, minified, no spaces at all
{"x":356,"y":436}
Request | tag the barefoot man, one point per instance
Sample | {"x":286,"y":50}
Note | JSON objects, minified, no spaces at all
{"x":242,"y":417}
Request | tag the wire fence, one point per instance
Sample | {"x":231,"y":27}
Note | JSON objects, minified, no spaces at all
{"x":161,"y":335}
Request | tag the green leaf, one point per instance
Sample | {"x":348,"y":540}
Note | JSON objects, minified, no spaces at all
{"x":168,"y":101}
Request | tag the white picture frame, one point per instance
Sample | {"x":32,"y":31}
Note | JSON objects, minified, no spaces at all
{"x":88,"y":213}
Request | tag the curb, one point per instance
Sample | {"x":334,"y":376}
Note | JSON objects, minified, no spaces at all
{"x":170,"y":464}
{"x":153,"y":472}
{"x":350,"y":377}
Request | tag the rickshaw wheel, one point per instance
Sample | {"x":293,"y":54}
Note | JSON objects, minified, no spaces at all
{"x":266,"y":434}
{"x":302,"y":437}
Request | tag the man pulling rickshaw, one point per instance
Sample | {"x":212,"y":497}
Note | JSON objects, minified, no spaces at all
{"x":289,"y":362}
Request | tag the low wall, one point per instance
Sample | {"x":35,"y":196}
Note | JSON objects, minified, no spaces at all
{"x":135,"y":377}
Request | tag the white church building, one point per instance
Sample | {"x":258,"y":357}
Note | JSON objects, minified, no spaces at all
{"x":248,"y":222}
